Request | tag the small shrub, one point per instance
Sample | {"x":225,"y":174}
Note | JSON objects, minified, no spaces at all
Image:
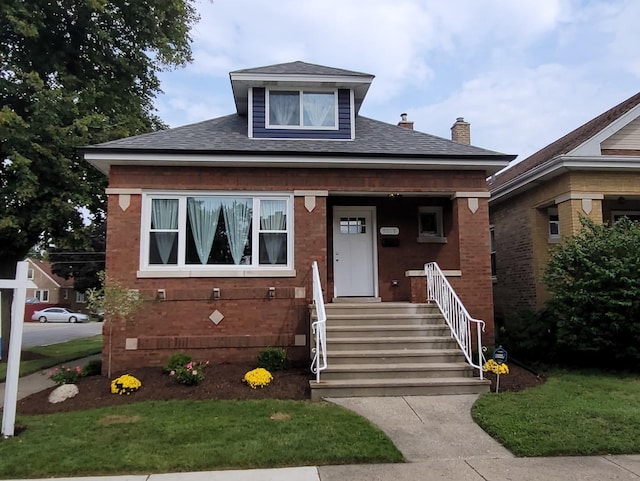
{"x":92,"y":368}
{"x":125,"y":385}
{"x":273,"y":359}
{"x":259,"y":377}
{"x":176,"y":361}
{"x":65,"y":375}
{"x":190,"y":374}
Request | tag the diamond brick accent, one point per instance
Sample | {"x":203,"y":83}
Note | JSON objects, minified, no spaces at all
{"x":216,"y":316}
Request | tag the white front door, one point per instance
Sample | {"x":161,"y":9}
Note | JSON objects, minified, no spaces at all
{"x":354,"y":259}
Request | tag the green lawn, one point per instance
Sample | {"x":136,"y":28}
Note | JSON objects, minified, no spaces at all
{"x":573,"y":413}
{"x":172,"y":436}
{"x":56,"y":354}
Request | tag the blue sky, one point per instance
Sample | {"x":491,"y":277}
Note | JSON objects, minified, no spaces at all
{"x":522,"y":72}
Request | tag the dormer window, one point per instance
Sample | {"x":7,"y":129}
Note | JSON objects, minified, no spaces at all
{"x":303,"y":109}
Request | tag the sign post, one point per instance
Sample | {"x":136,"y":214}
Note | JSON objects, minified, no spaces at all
{"x":19,"y":285}
{"x":500,"y":357}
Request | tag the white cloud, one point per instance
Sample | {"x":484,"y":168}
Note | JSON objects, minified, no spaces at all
{"x":522,"y":72}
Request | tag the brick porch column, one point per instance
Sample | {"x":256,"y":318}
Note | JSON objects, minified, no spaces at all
{"x":475,"y":289}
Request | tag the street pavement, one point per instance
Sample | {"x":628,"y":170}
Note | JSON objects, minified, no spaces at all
{"x":437,"y":437}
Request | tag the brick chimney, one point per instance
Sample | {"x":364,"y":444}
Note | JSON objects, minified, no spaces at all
{"x":404,"y":122}
{"x":461,"y":131}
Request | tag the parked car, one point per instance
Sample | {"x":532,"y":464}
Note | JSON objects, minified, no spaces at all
{"x":59,"y":314}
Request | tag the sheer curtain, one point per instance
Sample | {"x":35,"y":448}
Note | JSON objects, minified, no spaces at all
{"x":319,"y":109}
{"x":237,"y":218}
{"x":203,"y":216}
{"x":273,"y":218}
{"x":284,"y":108}
{"x":164,"y":216}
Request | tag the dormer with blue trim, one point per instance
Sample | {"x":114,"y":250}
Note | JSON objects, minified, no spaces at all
{"x":299,"y":100}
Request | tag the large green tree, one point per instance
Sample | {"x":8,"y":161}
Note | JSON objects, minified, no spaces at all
{"x":73,"y":73}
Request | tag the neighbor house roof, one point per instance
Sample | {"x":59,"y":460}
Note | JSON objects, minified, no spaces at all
{"x":227,"y":136}
{"x":566,"y":143}
{"x":46,"y":268}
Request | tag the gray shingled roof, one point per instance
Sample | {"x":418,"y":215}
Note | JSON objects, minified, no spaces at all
{"x":229,"y":135}
{"x":300,"y":68}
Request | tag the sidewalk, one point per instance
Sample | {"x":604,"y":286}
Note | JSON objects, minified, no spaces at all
{"x":437,"y":436}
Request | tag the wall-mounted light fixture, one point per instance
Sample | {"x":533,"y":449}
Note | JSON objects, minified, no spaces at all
{"x":161,"y":295}
{"x":215,"y":293}
{"x":272,"y":292}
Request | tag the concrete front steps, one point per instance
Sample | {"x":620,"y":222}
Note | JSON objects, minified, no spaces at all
{"x":391,"y":349}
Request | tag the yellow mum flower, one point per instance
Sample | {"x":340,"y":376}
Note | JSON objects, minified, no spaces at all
{"x":259,"y":377}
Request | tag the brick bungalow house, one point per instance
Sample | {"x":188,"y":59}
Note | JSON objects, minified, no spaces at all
{"x":593,"y":171}
{"x":218,"y":223}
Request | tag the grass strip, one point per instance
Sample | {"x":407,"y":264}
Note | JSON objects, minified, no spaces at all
{"x":177,"y":436}
{"x":573,"y":413}
{"x":55,"y":354}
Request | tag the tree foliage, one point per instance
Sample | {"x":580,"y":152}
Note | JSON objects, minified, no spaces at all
{"x":85,"y":264}
{"x":595,"y":285}
{"x":74,"y":73}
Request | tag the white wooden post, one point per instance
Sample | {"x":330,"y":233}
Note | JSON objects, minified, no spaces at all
{"x":19,"y":285}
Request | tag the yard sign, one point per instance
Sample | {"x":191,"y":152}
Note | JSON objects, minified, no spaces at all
{"x":19,"y":285}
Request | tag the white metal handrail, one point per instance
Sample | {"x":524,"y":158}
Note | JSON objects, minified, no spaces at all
{"x":319,"y":327}
{"x":440,"y":291}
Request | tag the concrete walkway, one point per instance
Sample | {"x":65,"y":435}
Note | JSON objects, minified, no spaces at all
{"x":437,"y":436}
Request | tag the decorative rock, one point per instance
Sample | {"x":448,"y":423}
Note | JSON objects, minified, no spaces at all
{"x":62,"y":393}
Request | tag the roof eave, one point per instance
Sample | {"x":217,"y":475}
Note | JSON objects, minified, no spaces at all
{"x":104,"y":160}
{"x":241,"y":82}
{"x":559,"y":165}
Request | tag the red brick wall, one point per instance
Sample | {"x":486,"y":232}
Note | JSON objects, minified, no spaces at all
{"x":252,"y":320}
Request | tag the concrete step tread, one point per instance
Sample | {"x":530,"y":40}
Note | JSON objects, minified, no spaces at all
{"x":380,"y":383}
{"x":376,"y":305}
{"x":393,"y":352}
{"x":383,"y":327}
{"x":382,"y":315}
{"x":389,"y":339}
{"x":409,"y":366}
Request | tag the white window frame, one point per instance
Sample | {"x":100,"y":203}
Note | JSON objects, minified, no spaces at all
{"x":616,"y":214}
{"x":80,"y":297}
{"x":553,"y":211}
{"x":30,"y":273}
{"x":42,"y":295}
{"x":301,"y":126}
{"x":437,"y":236}
{"x":182,"y":269}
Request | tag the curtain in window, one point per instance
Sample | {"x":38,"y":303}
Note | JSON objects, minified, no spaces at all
{"x":273,"y":218}
{"x":203,"y":217}
{"x":318,"y":109}
{"x":284,"y":108}
{"x":164,"y":216}
{"x":237,"y":218}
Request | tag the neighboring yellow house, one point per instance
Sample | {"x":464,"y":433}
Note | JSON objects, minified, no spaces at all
{"x":593,"y":171}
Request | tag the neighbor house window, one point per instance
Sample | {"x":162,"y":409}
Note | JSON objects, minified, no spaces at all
{"x":302,"y":109}
{"x":492,"y":248}
{"x":430,"y":221}
{"x":29,"y":273}
{"x":554,"y":223}
{"x":42,"y":295}
{"x":80,"y":297}
{"x":198,"y":231}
